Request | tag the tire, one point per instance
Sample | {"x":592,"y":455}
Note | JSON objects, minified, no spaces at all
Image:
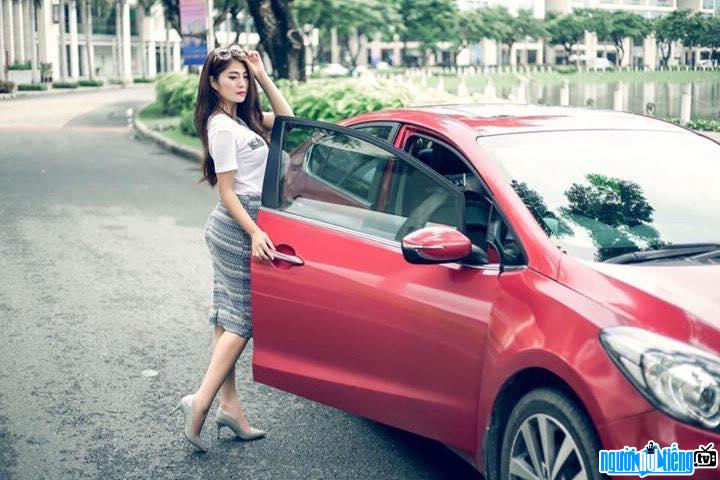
{"x":567,"y":428}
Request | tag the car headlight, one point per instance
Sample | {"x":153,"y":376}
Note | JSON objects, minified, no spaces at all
{"x":681,"y":380}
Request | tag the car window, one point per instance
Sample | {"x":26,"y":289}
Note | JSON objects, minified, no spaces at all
{"x":342,"y":180}
{"x":380,"y":131}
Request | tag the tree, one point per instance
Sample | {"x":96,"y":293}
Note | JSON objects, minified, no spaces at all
{"x":565,"y":30}
{"x":624,"y":24}
{"x":695,"y":32}
{"x":597,"y":21}
{"x":228,"y":10}
{"x":711,"y":39}
{"x":508,"y":29}
{"x":427,"y":21}
{"x":668,"y":29}
{"x":615,"y":212}
{"x":280,"y":37}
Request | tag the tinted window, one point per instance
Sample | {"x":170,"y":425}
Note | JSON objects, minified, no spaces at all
{"x":380,"y":131}
{"x":345,"y":181}
{"x":601,"y":194}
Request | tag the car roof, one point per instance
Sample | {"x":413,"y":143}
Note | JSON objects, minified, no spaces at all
{"x":502,"y":119}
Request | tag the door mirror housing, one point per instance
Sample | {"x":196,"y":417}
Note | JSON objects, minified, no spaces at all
{"x":439,"y":244}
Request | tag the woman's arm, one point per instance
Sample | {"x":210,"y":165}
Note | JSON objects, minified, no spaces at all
{"x":262,"y":247}
{"x":277,"y":100}
{"x":279,"y":104}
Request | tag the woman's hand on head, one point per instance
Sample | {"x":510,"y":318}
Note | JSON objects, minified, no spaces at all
{"x":262,"y":246}
{"x":254,"y":61}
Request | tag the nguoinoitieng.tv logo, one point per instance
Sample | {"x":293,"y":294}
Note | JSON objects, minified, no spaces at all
{"x":654,"y":460}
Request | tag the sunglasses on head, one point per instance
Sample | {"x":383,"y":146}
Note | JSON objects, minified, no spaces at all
{"x":226,"y":53}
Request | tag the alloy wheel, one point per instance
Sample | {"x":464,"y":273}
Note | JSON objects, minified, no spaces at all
{"x":544,"y":450}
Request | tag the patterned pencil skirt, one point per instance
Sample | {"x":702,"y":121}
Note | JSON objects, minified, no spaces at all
{"x":230,"y":251}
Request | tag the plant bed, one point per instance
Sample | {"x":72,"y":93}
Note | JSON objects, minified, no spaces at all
{"x":90,"y":83}
{"x":6,"y":86}
{"x":143,"y":80}
{"x":65,"y":85}
{"x":29,"y":87}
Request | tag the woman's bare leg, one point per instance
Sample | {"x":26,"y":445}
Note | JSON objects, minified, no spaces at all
{"x":229,"y":399}
{"x":225,"y":353}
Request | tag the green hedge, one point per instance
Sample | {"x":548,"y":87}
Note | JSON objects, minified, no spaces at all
{"x":698,"y":124}
{"x":187,"y":123}
{"x":143,"y":80}
{"x":32,"y":87}
{"x":90,"y":83}
{"x":6,"y":86}
{"x":65,"y":85}
{"x":327,"y":101}
{"x":176,"y":92}
{"x":21,"y":66}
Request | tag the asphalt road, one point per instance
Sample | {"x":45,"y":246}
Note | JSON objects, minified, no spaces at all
{"x":104,"y":288}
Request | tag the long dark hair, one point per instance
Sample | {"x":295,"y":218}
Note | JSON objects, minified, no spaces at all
{"x":208,"y":99}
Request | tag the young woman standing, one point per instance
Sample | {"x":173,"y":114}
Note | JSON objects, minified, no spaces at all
{"x":234,"y":132}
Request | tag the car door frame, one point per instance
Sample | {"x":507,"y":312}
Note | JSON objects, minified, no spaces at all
{"x":272,"y":183}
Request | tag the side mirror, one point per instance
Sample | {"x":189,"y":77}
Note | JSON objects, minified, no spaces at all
{"x":437,"y":245}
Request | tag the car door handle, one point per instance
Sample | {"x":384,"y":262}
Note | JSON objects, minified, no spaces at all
{"x":292,"y":259}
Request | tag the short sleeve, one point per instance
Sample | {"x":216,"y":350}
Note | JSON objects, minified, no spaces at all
{"x":222,"y":148}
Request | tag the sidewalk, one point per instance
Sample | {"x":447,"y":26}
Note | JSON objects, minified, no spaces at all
{"x":60,"y":91}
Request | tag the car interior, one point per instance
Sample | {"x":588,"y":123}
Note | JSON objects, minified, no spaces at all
{"x":478,"y":207}
{"x":448,"y":164}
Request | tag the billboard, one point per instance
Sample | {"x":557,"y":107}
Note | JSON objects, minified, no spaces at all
{"x":193,"y":21}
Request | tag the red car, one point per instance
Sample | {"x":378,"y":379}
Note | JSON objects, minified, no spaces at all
{"x":527,"y":285}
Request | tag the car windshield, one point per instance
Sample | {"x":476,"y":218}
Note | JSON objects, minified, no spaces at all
{"x":602,"y":194}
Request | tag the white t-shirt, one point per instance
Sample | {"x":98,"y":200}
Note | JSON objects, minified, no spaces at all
{"x":233,"y":146}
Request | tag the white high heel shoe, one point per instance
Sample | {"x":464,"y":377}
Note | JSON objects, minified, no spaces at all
{"x":222,"y":419}
{"x":186,"y":405}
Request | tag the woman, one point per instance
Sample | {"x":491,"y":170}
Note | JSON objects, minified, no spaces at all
{"x":234,"y":132}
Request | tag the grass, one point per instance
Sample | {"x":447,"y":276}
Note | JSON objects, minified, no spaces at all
{"x":169,"y":127}
{"x":478,"y":81}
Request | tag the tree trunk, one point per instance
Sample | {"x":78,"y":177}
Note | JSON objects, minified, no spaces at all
{"x":63,"y":51}
{"x":280,"y":37}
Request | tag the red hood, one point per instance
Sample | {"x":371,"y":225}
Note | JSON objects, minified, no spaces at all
{"x":679,"y":301}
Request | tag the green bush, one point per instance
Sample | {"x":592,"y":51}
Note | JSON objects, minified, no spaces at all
{"x":699,"y":124}
{"x":6,"y":86}
{"x":65,"y":85}
{"x":143,"y":80}
{"x":32,"y":86}
{"x":566,"y":69}
{"x":90,"y":83}
{"x":21,"y":66}
{"x":336,"y":100}
{"x":187,"y":122}
{"x":176,"y":93}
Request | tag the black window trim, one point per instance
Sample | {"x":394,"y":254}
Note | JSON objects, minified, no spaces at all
{"x":271,"y":185}
{"x":395,"y":128}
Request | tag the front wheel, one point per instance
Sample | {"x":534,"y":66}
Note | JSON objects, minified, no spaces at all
{"x":549,"y":437}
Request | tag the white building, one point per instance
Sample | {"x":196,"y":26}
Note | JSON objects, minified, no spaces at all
{"x":116,"y":52}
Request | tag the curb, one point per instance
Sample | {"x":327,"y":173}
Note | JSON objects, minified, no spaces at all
{"x":144,"y":131}
{"x":57,"y":91}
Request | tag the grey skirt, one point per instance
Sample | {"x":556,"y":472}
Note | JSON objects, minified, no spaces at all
{"x":230,"y":251}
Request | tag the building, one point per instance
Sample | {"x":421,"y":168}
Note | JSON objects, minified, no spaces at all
{"x":125,"y":43}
